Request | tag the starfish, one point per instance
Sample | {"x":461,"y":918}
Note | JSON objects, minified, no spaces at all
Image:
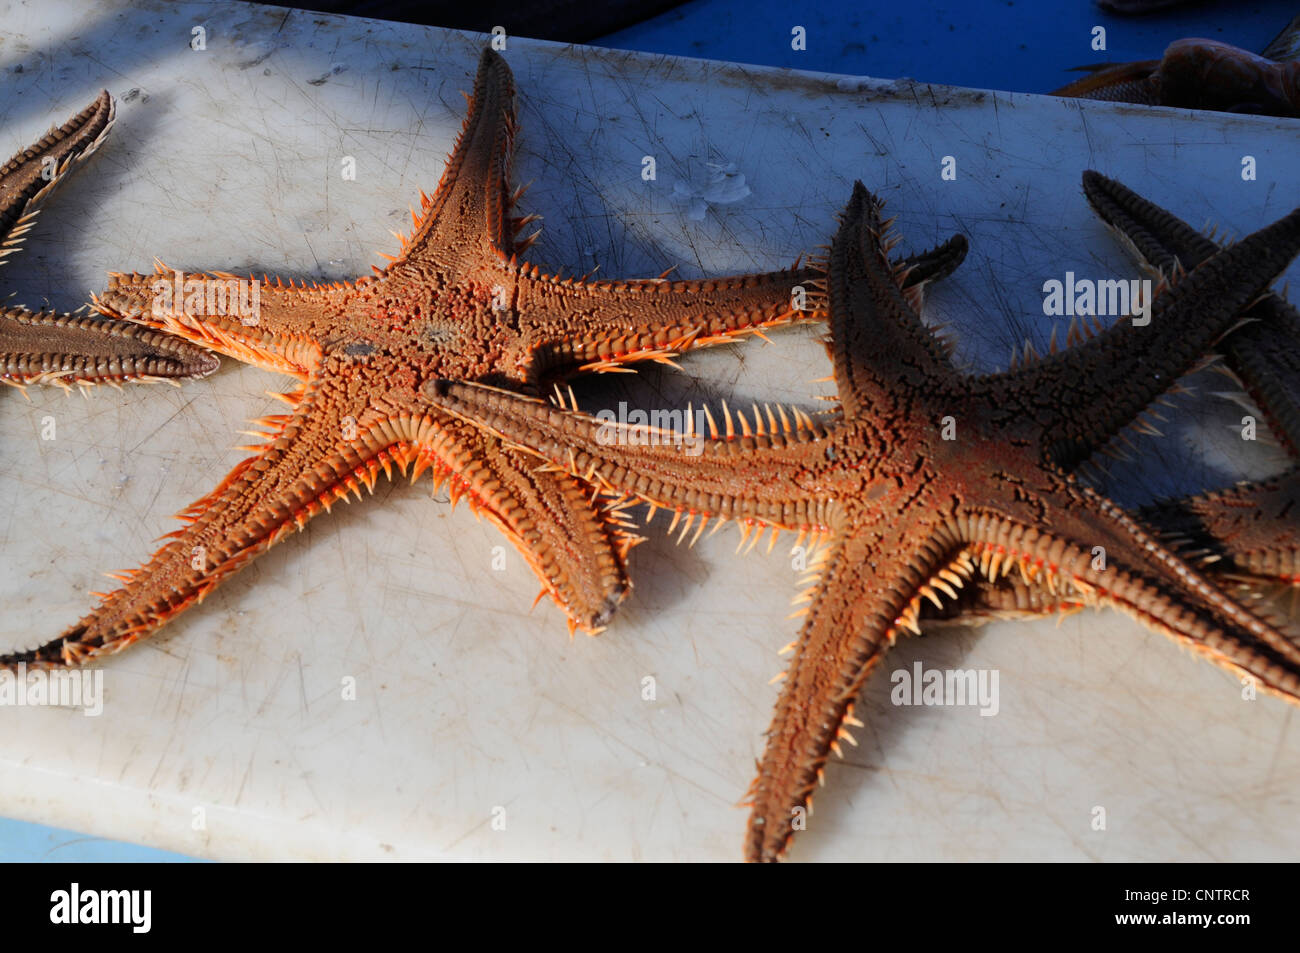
{"x":906,"y":515}
{"x":1264,"y":353}
{"x":1248,"y":534}
{"x":43,"y":347}
{"x":456,"y":301}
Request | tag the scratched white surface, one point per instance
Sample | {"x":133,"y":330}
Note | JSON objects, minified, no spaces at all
{"x":466,"y":700}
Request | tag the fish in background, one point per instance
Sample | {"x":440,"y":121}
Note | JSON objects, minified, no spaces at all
{"x":1197,"y":73}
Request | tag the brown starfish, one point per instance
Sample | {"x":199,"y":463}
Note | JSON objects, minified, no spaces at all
{"x":455,"y":302}
{"x":1248,"y":534}
{"x":1264,"y":353}
{"x":43,"y":347}
{"x":908,"y":515}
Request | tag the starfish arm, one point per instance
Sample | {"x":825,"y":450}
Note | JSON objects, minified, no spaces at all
{"x":872,"y":583}
{"x":1135,"y":573}
{"x":467,"y":216}
{"x":933,"y":264}
{"x":1104,"y":382}
{"x":871,"y":318}
{"x":28,"y":177}
{"x":1251,"y":530}
{"x":980,"y":601}
{"x":39,"y":347}
{"x":1265,"y":353}
{"x":313,"y":458}
{"x":578,"y":550}
{"x":1265,"y":358}
{"x":581,"y":325}
{"x":272,"y":325}
{"x":1160,"y":239}
{"x":871,"y":577}
{"x":936,"y":514}
{"x":595,"y":326}
{"x":752,"y":476}
{"x":1249,"y":533}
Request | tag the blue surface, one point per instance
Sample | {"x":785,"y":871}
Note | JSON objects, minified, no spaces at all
{"x":36,"y":843}
{"x":991,"y":44}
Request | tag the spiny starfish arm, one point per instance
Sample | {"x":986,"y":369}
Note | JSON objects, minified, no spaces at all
{"x":313,"y":457}
{"x":40,"y":347}
{"x":870,"y":577}
{"x":576,"y":546}
{"x":752,"y":475}
{"x":599,"y":325}
{"x":467,"y":216}
{"x":263,"y":322}
{"x":1249,"y":534}
{"x":1265,"y":353}
{"x":1250,"y":530}
{"x":875,"y":582}
{"x":1265,"y":358}
{"x":980,"y":601}
{"x":1081,"y":397}
{"x":931,"y":265}
{"x":30,"y":175}
{"x":1160,"y":239}
{"x":871,"y":319}
{"x":1092,"y":547}
{"x":916,"y":273}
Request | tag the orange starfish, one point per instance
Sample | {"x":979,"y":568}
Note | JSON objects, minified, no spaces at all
{"x":910,"y":513}
{"x":42,"y":347}
{"x":456,"y":302}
